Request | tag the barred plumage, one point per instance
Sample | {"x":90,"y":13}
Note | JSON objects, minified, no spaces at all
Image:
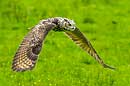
{"x":27,"y":54}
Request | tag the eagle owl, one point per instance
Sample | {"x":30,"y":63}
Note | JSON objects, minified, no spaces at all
{"x":28,"y":51}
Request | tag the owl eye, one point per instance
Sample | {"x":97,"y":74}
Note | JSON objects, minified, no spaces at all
{"x":69,"y":24}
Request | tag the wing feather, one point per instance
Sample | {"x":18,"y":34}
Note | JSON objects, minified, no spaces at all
{"x":27,"y":53}
{"x":84,"y":43}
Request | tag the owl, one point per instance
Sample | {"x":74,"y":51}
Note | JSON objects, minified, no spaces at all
{"x":28,"y":51}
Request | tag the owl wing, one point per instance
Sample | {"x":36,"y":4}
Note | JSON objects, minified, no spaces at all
{"x":27,"y":53}
{"x":84,"y":43}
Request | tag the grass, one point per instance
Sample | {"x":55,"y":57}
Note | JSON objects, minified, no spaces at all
{"x":61,"y":62}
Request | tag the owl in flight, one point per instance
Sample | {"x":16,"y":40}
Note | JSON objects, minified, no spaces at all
{"x":28,"y":51}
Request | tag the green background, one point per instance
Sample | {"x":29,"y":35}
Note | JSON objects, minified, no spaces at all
{"x":106,"y":23}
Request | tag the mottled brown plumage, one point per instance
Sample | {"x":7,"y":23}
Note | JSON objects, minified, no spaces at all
{"x":84,"y":43}
{"x":27,"y":53}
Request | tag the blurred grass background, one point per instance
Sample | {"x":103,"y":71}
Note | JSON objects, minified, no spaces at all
{"x":106,"y":23}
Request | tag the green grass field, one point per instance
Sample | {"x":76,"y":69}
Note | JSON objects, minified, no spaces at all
{"x":106,"y":23}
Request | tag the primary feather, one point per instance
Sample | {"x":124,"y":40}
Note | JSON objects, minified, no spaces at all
{"x":85,"y":44}
{"x":27,"y":54}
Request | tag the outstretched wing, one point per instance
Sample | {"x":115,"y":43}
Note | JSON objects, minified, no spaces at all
{"x":27,"y":53}
{"x":84,"y":43}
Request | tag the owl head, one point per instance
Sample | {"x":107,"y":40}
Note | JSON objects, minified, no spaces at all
{"x":68,"y":24}
{"x":65,"y":24}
